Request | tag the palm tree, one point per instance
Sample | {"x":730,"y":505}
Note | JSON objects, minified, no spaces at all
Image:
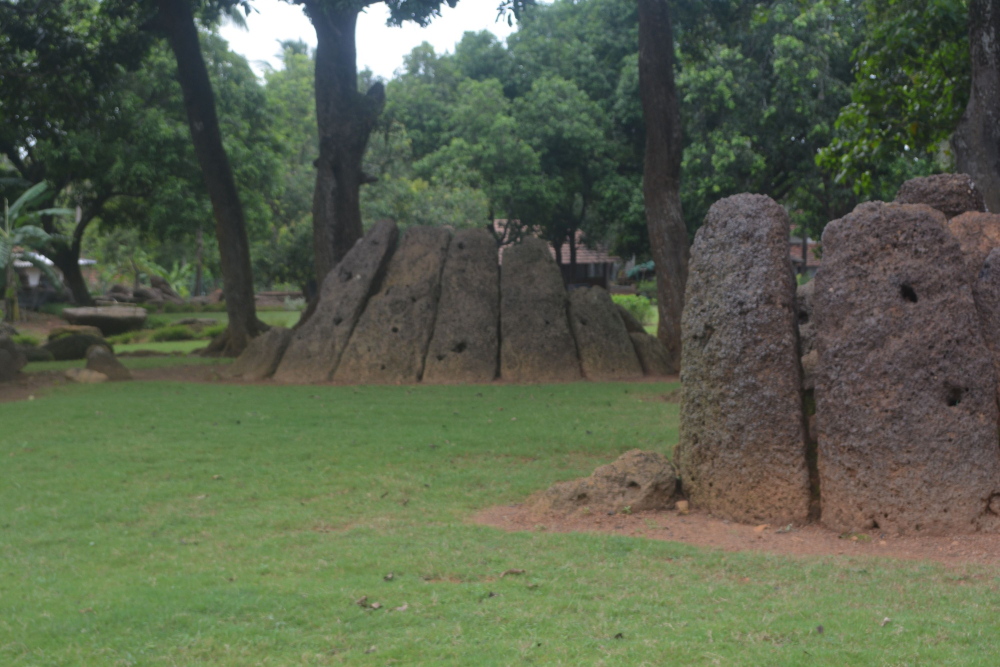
{"x":16,"y":233}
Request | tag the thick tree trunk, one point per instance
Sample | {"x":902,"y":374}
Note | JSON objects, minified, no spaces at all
{"x":345,"y":119}
{"x":977,"y":139}
{"x":67,"y":260}
{"x":661,"y":181}
{"x":230,"y":228}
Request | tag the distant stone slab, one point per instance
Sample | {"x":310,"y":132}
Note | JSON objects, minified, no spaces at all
{"x":742,"y":446}
{"x":652,"y":354}
{"x":465,"y":344}
{"x":952,"y":194}
{"x":536,"y":343}
{"x":602,"y":341}
{"x":261,"y":357}
{"x":906,"y":390}
{"x":111,"y":320}
{"x":316,"y":348}
{"x":390,"y":341}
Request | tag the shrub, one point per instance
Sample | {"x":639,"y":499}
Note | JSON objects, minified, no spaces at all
{"x":26,"y":339}
{"x":639,"y":306}
{"x":158,"y":322}
{"x":175,"y":332}
{"x":647,"y":288}
{"x":127,"y":337}
{"x":212,"y":331}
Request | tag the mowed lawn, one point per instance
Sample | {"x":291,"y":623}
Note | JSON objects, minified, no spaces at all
{"x":204,"y":524}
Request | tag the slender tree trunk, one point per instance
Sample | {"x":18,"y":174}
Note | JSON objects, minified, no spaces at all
{"x":199,"y":261}
{"x":977,"y":139}
{"x":572,"y":256}
{"x":661,"y":180}
{"x":345,"y":119}
{"x":230,"y":228}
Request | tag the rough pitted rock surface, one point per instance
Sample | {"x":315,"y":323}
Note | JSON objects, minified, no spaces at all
{"x":536,"y":343}
{"x":638,"y":480}
{"x":100,"y":359}
{"x":465,"y":343}
{"x":148,"y":295}
{"x":952,"y":194}
{"x":742,"y":447}
{"x":261,"y":357}
{"x":977,"y":234}
{"x":110,"y":320}
{"x":602,"y":341}
{"x":164,"y":288}
{"x":316,"y":347}
{"x":12,"y":360}
{"x":632,"y":325}
{"x":68,"y":329}
{"x":986,"y":293}
{"x":390,"y":341}
{"x":653,"y":357}
{"x":74,"y":346}
{"x":906,"y":392}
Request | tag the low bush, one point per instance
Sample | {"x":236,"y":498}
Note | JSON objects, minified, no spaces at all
{"x":640,"y":307}
{"x":170,"y":333}
{"x":211,"y":332}
{"x":26,"y":339}
{"x":158,"y":322}
{"x":127,"y":337}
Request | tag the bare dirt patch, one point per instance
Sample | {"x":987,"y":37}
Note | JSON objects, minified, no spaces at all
{"x":705,"y":531}
{"x":29,"y":386}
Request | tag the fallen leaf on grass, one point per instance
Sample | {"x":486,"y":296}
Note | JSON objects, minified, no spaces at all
{"x":405,"y":606}
{"x":362,"y":601}
{"x":370,"y":650}
{"x":389,"y":577}
{"x":885,"y":621}
{"x":376,"y":605}
{"x":88,"y":610}
{"x":511,"y":571}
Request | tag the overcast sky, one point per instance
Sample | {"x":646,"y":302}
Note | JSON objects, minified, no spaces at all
{"x":380,"y":47}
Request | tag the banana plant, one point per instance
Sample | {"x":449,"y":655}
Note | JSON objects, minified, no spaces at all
{"x":18,"y":233}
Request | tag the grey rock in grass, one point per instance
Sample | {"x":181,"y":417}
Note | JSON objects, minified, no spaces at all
{"x":100,"y":359}
{"x":906,"y":394}
{"x":653,"y":357}
{"x":536,"y":343}
{"x":952,"y":194}
{"x":465,"y":344}
{"x":632,"y":325}
{"x":602,"y":341}
{"x":390,"y":341}
{"x":315,"y":348}
{"x":74,"y":346}
{"x":261,"y":357}
{"x":742,"y":447}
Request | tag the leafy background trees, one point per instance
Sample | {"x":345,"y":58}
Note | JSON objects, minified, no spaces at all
{"x":817,"y":103}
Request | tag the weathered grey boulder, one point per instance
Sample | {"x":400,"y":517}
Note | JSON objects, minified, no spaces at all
{"x":632,"y":325}
{"x":12,"y":360}
{"x":986,"y":293}
{"x":465,"y":344}
{"x":390,"y":341}
{"x":36,"y":353}
{"x":602,"y":341}
{"x":261,"y":357}
{"x":977,"y":234}
{"x":636,"y":480}
{"x":74,"y":346}
{"x":652,"y":354}
{"x":110,"y":320}
{"x":69,"y":329}
{"x":315,"y":348}
{"x":906,"y":392}
{"x":163,"y":287}
{"x":742,"y":447}
{"x":149,"y":295}
{"x":952,"y":194}
{"x":100,"y":359}
{"x":85,"y":376}
{"x":536,"y":343}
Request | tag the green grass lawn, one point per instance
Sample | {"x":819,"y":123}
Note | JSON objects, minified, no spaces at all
{"x":283,"y":318}
{"x":130,"y":362}
{"x":182,"y":524}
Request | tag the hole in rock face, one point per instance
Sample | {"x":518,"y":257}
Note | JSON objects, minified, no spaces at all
{"x":582,"y":497}
{"x":337,"y":320}
{"x":633,"y":485}
{"x":383,"y":366}
{"x":345,"y":276}
{"x":954,"y":396}
{"x":395,"y":330}
{"x":906,"y":291}
{"x":461,"y":245}
{"x":460,"y":347}
{"x":583,"y":321}
{"x":440,"y":357}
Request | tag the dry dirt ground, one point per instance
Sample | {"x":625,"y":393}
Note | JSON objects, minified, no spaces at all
{"x":28,"y":385}
{"x":705,"y":531}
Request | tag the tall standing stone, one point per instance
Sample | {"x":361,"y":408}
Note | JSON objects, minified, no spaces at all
{"x":952,"y":194}
{"x":262,"y":355}
{"x":315,"y":349}
{"x":390,"y":342}
{"x":742,"y":452}
{"x":906,"y":392}
{"x":465,"y":344}
{"x":606,"y":351}
{"x":986,"y":292}
{"x":536,"y":343}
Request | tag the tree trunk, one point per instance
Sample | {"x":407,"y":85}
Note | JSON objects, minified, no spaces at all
{"x":10,"y":313}
{"x":230,"y":228}
{"x":199,"y":261}
{"x":67,"y":260}
{"x":977,"y":139}
{"x":572,"y":256}
{"x":661,"y":180}
{"x":345,"y":119}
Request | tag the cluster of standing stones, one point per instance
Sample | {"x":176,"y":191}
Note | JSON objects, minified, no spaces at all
{"x":429,"y":305}
{"x":866,"y":398}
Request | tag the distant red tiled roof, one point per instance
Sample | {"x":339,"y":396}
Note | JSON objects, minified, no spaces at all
{"x":584,"y":255}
